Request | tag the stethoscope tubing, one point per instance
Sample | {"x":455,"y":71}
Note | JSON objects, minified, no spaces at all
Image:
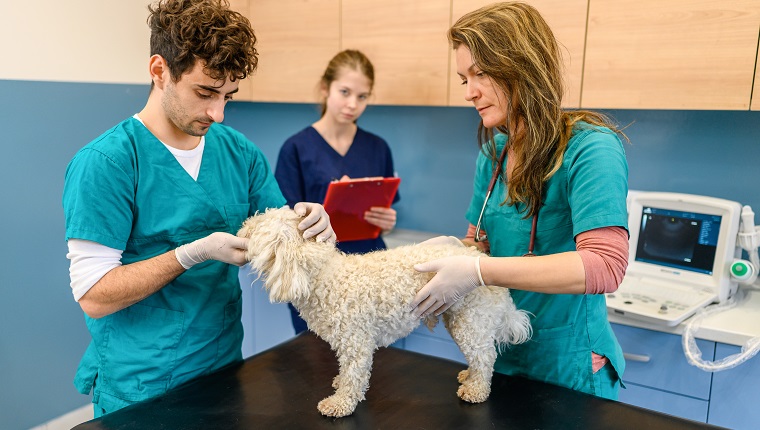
{"x":491,"y":185}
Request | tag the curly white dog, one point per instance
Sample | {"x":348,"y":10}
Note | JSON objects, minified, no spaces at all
{"x":358,"y":303}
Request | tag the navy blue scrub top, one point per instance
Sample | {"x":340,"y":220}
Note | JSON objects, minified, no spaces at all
{"x":307,"y":164}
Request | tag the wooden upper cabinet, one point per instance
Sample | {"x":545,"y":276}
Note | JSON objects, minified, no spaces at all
{"x":756,"y":89}
{"x":295,"y":41}
{"x":244,"y":91}
{"x":622,"y":54}
{"x":676,"y":54}
{"x":567,"y":19}
{"x":406,"y":42}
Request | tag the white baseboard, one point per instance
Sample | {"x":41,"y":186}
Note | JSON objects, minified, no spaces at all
{"x":69,"y":420}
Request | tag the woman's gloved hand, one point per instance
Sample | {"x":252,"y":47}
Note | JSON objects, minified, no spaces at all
{"x":442,"y":240}
{"x":456,"y":277}
{"x":385,"y":218}
{"x":316,"y":222}
{"x":219,"y":246}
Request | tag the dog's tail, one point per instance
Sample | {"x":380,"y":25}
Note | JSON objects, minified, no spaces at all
{"x":515,"y":326}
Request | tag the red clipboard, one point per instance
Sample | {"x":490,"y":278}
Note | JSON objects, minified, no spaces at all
{"x":347,"y":201}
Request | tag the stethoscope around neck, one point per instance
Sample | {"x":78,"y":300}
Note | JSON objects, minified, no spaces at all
{"x":491,"y":185}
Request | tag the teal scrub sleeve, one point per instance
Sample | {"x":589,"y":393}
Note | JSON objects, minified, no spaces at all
{"x":98,"y":196}
{"x":597,"y":180}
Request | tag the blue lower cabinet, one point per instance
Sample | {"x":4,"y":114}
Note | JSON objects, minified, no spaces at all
{"x":658,"y":376}
{"x":665,"y":402}
{"x":265,"y":324}
{"x":657,"y":360}
{"x":437,"y":343}
{"x":735,"y":399}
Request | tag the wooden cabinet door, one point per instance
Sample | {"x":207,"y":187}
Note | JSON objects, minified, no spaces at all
{"x":676,"y":54}
{"x":244,"y":91}
{"x":567,"y":19}
{"x":406,"y":42}
{"x":296,"y":39}
{"x":756,"y":89}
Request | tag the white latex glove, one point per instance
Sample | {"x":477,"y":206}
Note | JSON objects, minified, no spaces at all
{"x":456,"y":277}
{"x":442,"y":240}
{"x":219,"y":246}
{"x":316,"y":222}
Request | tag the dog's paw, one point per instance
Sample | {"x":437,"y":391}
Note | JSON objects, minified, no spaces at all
{"x":336,"y":406}
{"x":463,"y":375}
{"x":474,"y":393}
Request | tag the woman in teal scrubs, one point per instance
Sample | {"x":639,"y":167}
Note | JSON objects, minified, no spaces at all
{"x":550,"y":190}
{"x":152,"y":207}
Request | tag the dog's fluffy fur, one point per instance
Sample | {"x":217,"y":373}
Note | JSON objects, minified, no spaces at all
{"x":358,"y":303}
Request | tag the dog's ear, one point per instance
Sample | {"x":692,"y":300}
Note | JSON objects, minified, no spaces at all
{"x":276,"y":250}
{"x":247,"y":228}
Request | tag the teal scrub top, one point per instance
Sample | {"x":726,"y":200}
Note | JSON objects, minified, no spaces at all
{"x":125,"y":190}
{"x":587,"y":192}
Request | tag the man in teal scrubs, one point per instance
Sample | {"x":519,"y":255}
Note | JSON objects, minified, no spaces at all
{"x":151,"y":209}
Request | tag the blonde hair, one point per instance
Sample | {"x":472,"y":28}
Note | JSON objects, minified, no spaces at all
{"x":347,"y":59}
{"x":512,"y":44}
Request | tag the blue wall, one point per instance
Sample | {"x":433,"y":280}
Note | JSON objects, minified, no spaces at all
{"x":43,"y":333}
{"x":434,"y":153}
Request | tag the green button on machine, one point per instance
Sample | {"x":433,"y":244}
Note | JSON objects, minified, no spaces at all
{"x":741,"y":270}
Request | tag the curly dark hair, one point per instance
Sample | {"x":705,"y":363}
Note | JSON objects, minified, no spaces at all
{"x":184,"y":31}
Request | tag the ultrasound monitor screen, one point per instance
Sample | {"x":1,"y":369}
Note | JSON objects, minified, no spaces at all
{"x":677,"y":239}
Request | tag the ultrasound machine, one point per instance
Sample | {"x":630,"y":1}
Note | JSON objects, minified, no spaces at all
{"x":683,"y":256}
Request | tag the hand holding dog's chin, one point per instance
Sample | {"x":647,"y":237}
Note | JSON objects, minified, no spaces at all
{"x":219,"y":246}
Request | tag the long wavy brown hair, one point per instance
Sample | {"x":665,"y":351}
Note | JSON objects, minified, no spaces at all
{"x":184,"y":31}
{"x":512,"y":44}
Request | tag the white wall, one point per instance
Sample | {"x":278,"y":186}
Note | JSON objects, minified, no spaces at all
{"x":103,"y":41}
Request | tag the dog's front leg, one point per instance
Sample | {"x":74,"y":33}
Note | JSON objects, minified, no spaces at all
{"x":355,"y":363}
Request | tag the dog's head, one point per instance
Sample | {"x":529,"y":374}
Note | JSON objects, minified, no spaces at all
{"x":278,"y":251}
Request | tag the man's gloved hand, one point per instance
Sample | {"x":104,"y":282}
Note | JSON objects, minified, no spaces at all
{"x":219,"y":246}
{"x":442,"y":240}
{"x":456,"y":277}
{"x":316,"y":222}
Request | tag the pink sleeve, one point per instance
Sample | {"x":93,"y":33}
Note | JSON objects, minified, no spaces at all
{"x":604,"y":252}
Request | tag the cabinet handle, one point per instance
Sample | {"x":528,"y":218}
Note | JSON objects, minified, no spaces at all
{"x":641,"y":358}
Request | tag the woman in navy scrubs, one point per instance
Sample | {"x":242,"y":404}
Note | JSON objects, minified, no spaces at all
{"x":335,"y":148}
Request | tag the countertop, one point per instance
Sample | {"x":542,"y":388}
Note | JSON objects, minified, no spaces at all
{"x":734,"y":327}
{"x":280,"y":388}
{"x":398,"y":237}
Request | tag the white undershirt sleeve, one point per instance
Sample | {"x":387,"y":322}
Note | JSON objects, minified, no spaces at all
{"x":90,"y":261}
